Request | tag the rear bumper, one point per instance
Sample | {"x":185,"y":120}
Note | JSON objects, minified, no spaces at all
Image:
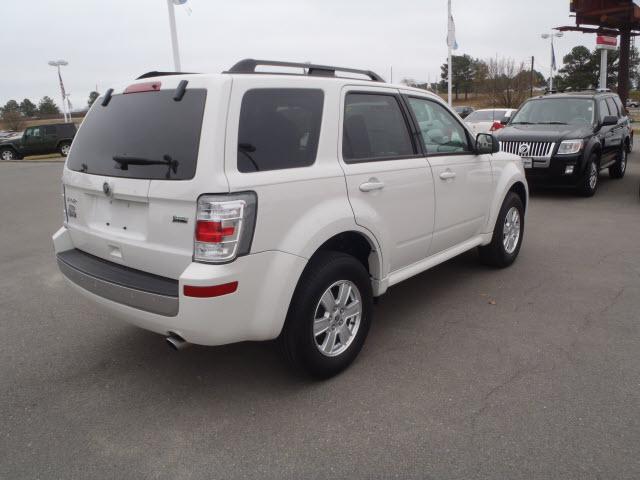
{"x":120,"y":284}
{"x":255,"y":311}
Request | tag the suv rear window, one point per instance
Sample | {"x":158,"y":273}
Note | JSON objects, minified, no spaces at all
{"x":279,"y":128}
{"x":148,"y":126}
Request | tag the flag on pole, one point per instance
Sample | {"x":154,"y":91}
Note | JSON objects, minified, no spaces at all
{"x":64,"y":94}
{"x":451,"y":34}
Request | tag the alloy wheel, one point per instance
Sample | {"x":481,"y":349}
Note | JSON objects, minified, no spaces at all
{"x":593,"y":176}
{"x":511,"y":230}
{"x":337,"y":318}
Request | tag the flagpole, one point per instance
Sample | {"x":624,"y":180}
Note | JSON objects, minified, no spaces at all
{"x":552,"y":66}
{"x":174,"y":36}
{"x":449,"y":53}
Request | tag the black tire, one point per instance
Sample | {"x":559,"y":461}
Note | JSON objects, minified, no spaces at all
{"x":8,"y":154}
{"x":496,"y":254}
{"x":297,"y":339}
{"x":63,"y":148}
{"x":586,"y":188}
{"x":620,"y":167}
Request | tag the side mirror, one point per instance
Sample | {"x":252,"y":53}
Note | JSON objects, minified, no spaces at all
{"x":505,"y":120}
{"x":486,"y":143}
{"x":609,"y":120}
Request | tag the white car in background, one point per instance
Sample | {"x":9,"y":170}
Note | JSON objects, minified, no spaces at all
{"x":488,"y":120}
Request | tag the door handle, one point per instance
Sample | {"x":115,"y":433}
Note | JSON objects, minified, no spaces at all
{"x":447,"y":175}
{"x":371,"y":185}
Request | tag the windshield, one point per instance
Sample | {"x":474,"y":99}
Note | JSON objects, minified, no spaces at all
{"x":574,"y":111}
{"x":486,"y":116}
{"x":145,"y":135}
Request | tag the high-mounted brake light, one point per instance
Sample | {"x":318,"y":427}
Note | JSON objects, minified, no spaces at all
{"x":143,"y":87}
{"x":224,"y":227}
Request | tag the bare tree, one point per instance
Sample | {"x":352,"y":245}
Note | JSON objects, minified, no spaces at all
{"x":507,"y":85}
{"x":13,"y":120}
{"x":409,"y":82}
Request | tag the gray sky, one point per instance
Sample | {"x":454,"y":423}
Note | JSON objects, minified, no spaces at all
{"x":112,"y":41}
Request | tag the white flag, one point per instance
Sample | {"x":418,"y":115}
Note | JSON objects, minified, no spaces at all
{"x":451,"y":34}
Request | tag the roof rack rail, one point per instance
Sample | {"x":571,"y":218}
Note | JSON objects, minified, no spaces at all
{"x":248,"y":65}
{"x":161,"y":74}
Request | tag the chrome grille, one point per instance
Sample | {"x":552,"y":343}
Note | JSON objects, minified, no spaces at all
{"x":540,"y":152}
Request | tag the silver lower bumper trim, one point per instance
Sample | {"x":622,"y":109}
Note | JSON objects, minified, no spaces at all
{"x":149,"y":302}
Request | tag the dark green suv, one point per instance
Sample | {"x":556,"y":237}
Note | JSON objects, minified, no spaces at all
{"x":39,"y":140}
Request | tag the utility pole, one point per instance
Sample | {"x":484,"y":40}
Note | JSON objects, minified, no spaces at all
{"x":532,"y":76}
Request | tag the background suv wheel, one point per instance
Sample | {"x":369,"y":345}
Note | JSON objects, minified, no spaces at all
{"x":8,"y":154}
{"x":329,"y":315}
{"x":64,"y":148}
{"x":620,"y":167}
{"x":590,"y":181}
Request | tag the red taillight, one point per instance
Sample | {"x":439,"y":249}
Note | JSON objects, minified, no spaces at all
{"x":496,"y":126}
{"x":143,"y":87}
{"x":212,"y":232}
{"x":210,"y":291}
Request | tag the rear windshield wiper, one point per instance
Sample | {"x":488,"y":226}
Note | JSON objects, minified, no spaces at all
{"x":125,"y":161}
{"x":521,"y":123}
{"x":552,"y":123}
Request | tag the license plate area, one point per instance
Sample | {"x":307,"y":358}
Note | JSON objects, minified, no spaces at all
{"x":124,"y":218}
{"x":527,"y":162}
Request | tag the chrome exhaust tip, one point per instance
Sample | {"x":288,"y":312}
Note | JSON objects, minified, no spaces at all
{"x":176,"y":342}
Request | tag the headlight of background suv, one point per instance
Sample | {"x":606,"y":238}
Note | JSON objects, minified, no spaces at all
{"x":570,"y":147}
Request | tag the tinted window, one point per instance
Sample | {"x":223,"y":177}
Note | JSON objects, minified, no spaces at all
{"x":279,"y":128}
{"x":149,"y":126}
{"x":621,"y":108}
{"x":374,"y":128}
{"x":66,"y":130}
{"x":604,"y":109}
{"x":50,"y":130}
{"x":440,"y":130}
{"x":573,"y":111}
{"x":612,"y":107}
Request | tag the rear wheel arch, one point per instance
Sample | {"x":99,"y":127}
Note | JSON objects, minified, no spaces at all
{"x":359,"y":246}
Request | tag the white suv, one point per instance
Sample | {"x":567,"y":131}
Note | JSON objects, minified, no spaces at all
{"x":252,"y":206}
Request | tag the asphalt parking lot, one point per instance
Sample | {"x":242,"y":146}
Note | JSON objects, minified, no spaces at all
{"x":531,"y":372}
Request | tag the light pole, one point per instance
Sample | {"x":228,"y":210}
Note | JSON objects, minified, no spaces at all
{"x":58,"y":64}
{"x":174,"y":34}
{"x":553,"y":55}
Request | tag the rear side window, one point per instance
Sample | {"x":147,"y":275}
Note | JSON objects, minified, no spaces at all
{"x":604,"y":110}
{"x":279,"y":128}
{"x":67,"y":130}
{"x":612,"y":107}
{"x":374,"y":128}
{"x":50,"y":130}
{"x":621,"y":108}
{"x":144,"y":135}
